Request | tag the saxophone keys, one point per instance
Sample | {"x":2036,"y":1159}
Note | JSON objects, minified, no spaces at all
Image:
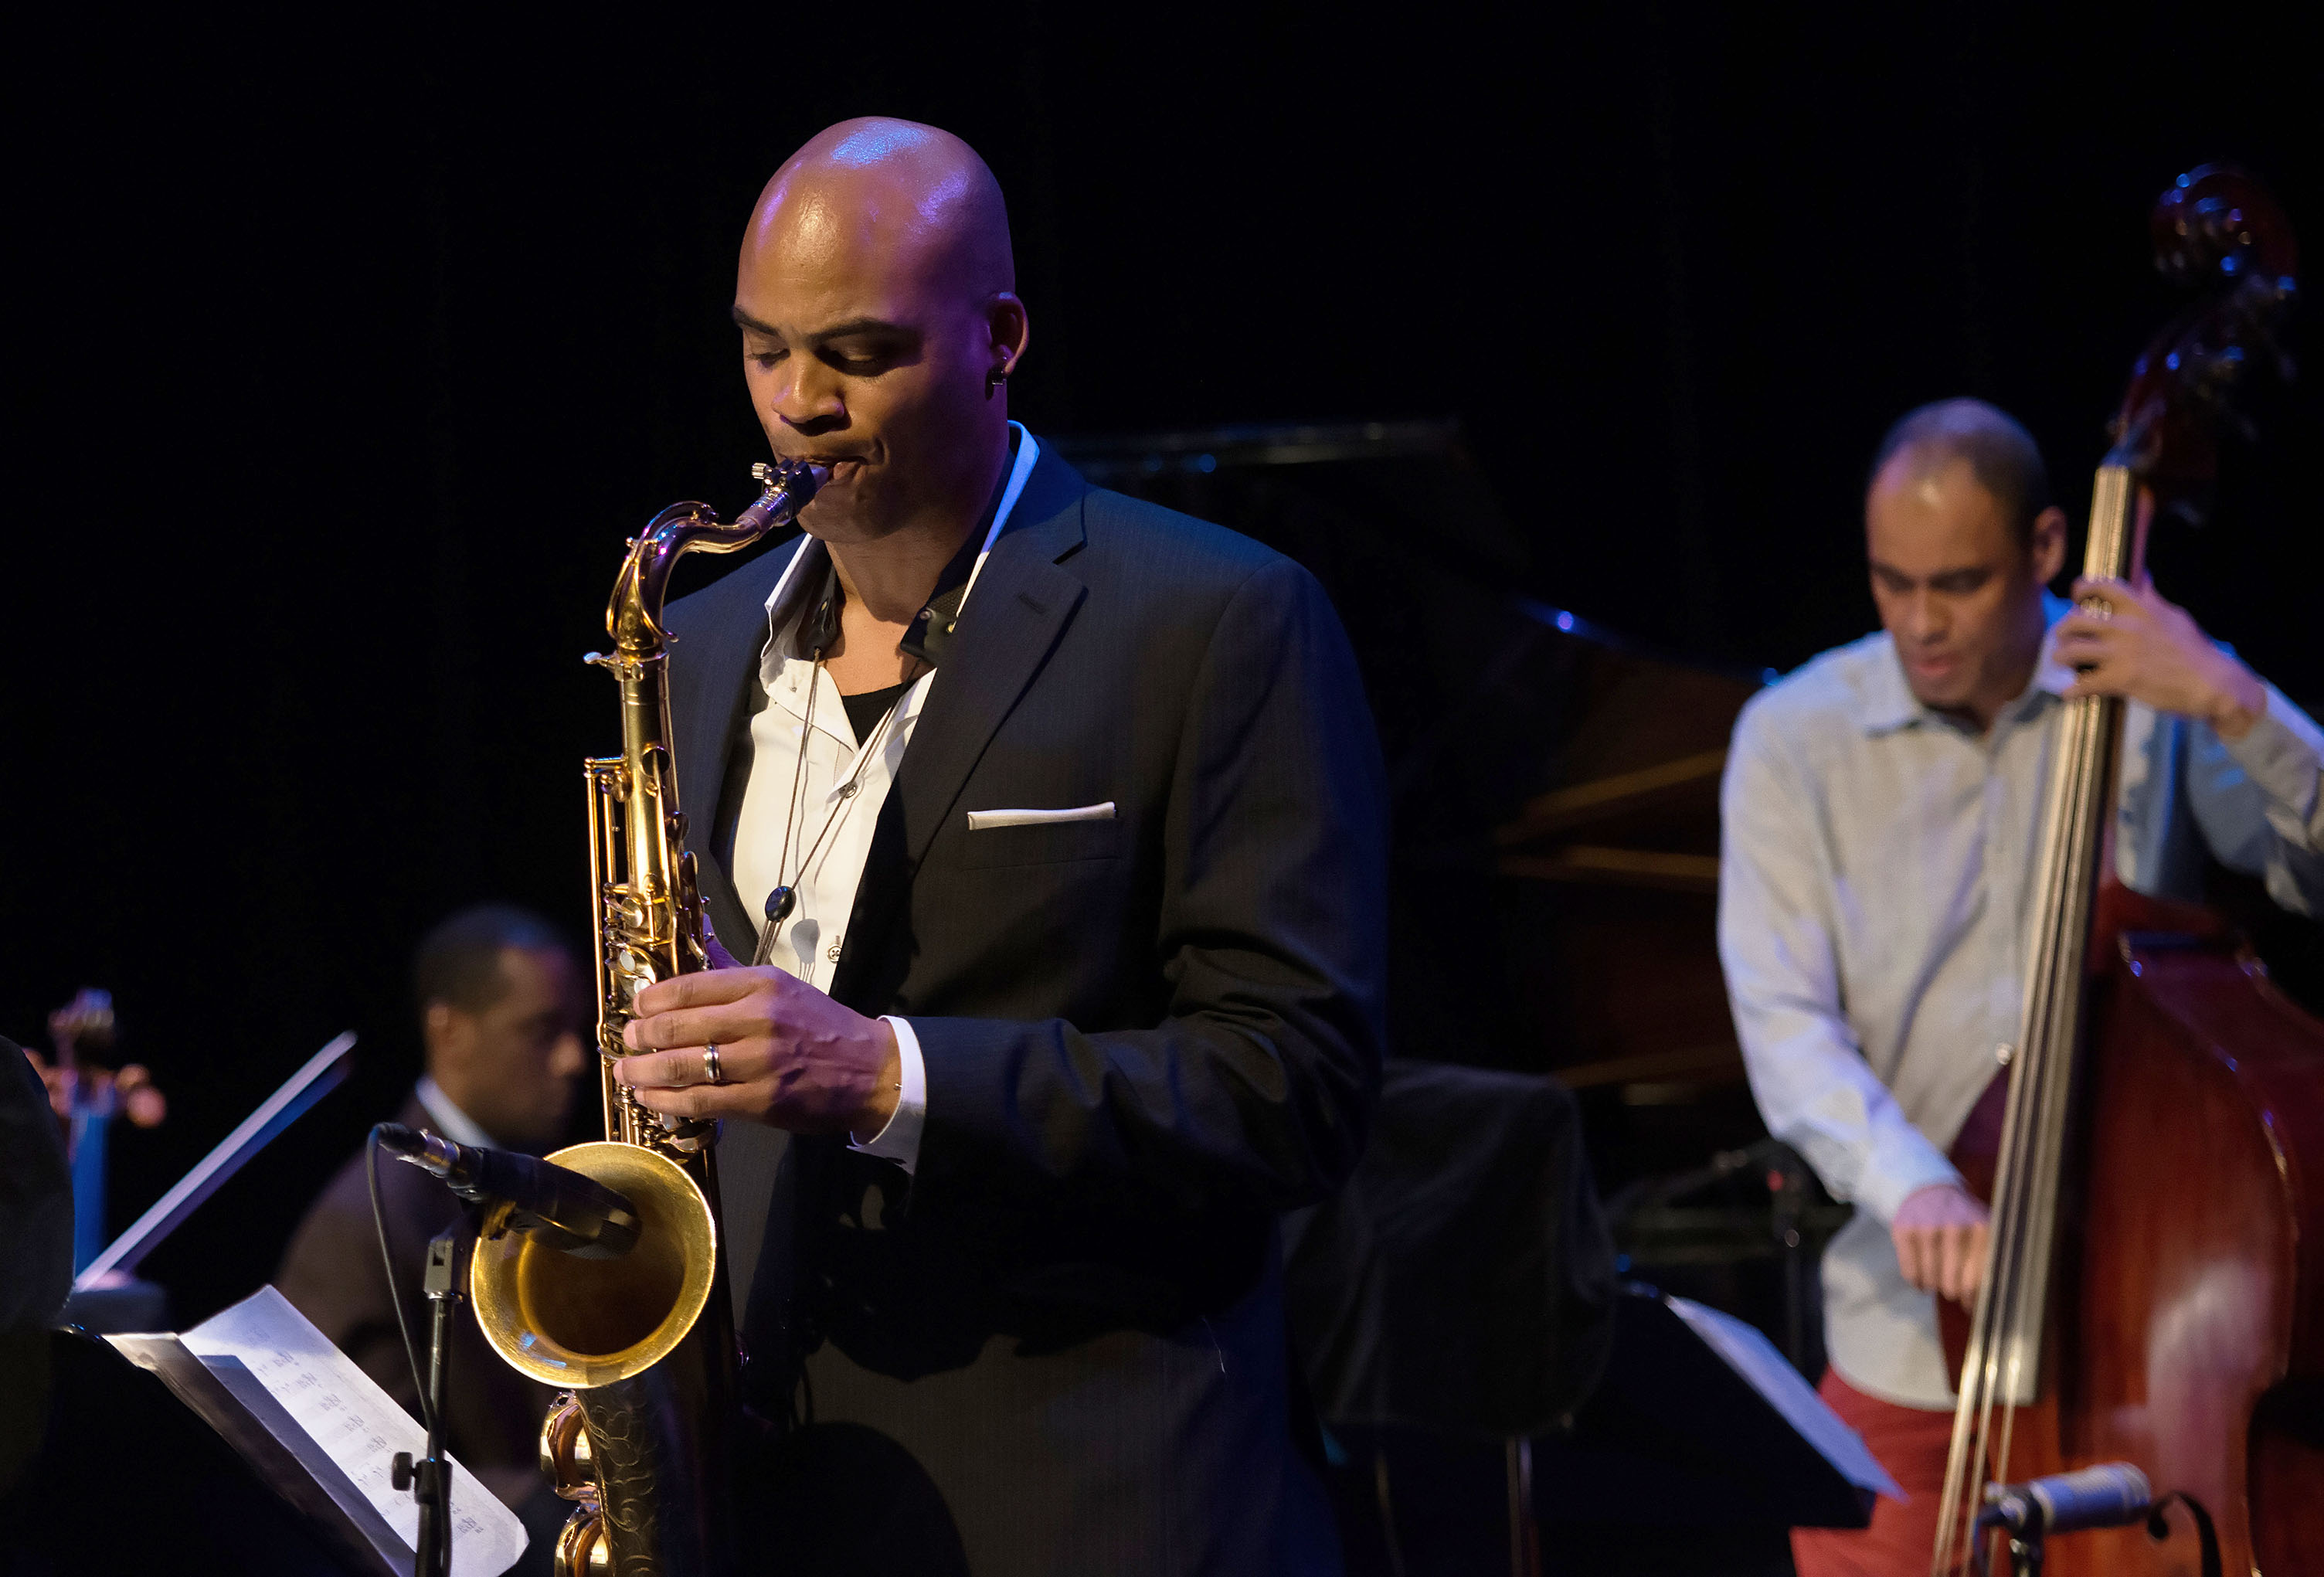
{"x":581,"y":1547}
{"x":566,"y":1461}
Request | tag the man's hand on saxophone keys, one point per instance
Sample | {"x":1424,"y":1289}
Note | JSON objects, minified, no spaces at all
{"x":788,"y":1055}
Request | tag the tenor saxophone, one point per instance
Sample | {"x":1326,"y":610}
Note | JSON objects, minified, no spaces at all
{"x":641,"y":1348}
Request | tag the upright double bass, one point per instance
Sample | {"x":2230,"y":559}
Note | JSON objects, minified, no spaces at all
{"x":2155,"y":1295}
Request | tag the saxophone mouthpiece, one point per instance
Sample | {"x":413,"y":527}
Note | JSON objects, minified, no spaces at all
{"x":788,"y":474}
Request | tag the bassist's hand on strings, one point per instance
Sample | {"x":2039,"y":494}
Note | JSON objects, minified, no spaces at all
{"x":2144,"y":647}
{"x":1940,"y":1233}
{"x":788,"y":1056}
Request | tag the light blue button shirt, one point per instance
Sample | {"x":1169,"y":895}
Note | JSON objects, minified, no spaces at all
{"x":1877,"y":880}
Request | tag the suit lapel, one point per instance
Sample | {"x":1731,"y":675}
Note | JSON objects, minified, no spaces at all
{"x":723,"y":906}
{"x":1019,"y":606}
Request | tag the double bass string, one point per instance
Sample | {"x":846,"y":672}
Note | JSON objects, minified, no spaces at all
{"x":1998,"y":1380}
{"x":2004,"y":1334}
{"x":2034,"y":1185}
{"x":1965,"y":1453}
{"x":1990,"y":1372}
{"x":1973,"y":1421}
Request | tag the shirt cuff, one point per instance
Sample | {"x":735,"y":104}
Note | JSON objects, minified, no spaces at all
{"x":2283,"y":754}
{"x":1903,"y":1162}
{"x":900,"y":1140}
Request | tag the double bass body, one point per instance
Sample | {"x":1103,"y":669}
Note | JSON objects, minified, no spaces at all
{"x":2189,"y":1331}
{"x":2201,"y":1330}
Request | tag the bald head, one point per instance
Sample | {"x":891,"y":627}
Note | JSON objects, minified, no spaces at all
{"x":876,"y":293}
{"x":1961,"y":536}
{"x":897,"y":193}
{"x":1999,"y":453}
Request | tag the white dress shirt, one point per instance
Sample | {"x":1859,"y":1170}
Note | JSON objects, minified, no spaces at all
{"x":451,"y":1122}
{"x":810,"y":939}
{"x":1877,"y":878}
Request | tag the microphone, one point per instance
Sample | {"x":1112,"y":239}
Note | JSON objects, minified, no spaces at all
{"x":2111,"y":1495}
{"x":555,"y":1206}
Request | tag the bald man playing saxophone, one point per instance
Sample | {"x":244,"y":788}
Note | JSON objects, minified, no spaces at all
{"x":1053,"y":824}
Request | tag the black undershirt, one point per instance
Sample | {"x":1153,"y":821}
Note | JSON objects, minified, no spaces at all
{"x":864,"y":711}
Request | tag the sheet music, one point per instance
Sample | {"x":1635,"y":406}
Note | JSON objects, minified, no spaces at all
{"x":353,"y":1422}
{"x":1749,"y":1353}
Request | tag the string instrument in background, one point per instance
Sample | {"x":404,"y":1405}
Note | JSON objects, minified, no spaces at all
{"x":2155,"y":1294}
{"x":87,"y":1096}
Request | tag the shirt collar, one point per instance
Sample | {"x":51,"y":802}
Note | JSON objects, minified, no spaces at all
{"x":807,"y":594}
{"x":451,"y":1122}
{"x":1884,"y":703}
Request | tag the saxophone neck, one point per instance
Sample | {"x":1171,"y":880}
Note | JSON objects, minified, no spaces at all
{"x":633,"y":614}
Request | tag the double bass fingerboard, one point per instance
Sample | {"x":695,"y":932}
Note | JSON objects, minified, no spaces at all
{"x":2001,"y":1369}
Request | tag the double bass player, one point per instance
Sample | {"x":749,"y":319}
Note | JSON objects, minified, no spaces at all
{"x":1880,"y":818}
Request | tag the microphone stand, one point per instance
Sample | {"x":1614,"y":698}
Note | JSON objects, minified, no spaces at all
{"x":2027,"y":1540}
{"x":430,"y":1479}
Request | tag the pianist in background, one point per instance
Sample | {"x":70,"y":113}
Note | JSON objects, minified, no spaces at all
{"x":1879,"y":827}
{"x":500,"y":1004}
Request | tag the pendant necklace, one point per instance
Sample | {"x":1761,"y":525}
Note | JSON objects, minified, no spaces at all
{"x":785,"y":897}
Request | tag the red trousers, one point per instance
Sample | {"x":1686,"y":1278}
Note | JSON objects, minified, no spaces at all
{"x":1911,"y":1443}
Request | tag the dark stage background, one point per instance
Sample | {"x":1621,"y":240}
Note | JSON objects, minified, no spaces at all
{"x":351,"y":347}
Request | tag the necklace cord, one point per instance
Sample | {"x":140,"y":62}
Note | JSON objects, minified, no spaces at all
{"x":864,"y":754}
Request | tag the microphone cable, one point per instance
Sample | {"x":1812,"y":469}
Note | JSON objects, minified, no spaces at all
{"x":387,"y":1263}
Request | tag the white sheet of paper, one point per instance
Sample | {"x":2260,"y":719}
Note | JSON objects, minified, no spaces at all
{"x":1749,"y":1353}
{"x":358,"y":1426}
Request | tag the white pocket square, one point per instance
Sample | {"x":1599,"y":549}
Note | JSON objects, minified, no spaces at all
{"x":978,"y":820}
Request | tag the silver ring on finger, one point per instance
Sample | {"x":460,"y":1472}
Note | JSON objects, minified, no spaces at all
{"x":710,"y":1073}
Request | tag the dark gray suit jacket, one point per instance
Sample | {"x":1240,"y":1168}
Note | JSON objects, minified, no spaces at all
{"x":1058,"y":1346}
